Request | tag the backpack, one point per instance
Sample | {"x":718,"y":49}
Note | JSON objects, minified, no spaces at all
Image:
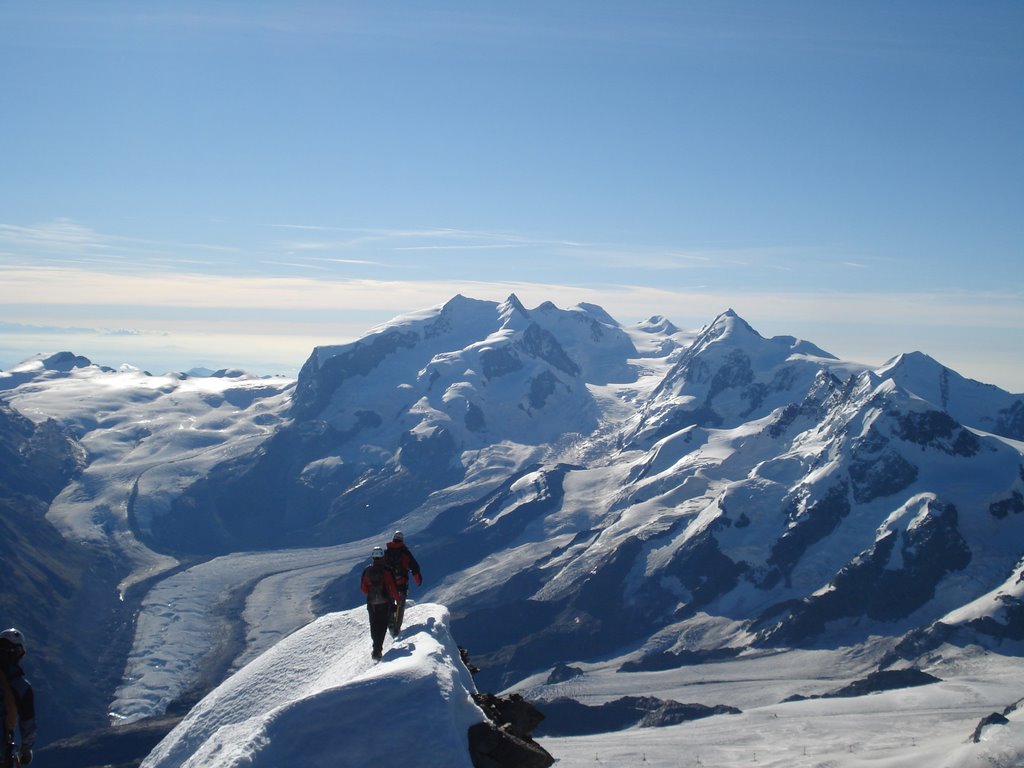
{"x":377,"y":593}
{"x":393,"y":558}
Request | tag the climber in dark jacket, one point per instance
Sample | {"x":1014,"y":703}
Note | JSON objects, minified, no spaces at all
{"x":17,"y":706}
{"x":378,"y":584}
{"x":400,"y":560}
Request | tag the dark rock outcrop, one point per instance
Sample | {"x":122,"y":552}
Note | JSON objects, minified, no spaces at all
{"x":993,"y":719}
{"x":1013,"y":504}
{"x":1012,"y":626}
{"x":562,"y":672}
{"x":659,"y":662}
{"x":996,"y":718}
{"x":503,"y":740}
{"x":882,"y":680}
{"x":541,"y":344}
{"x":568,"y":717}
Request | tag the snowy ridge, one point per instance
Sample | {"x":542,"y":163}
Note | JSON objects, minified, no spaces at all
{"x":317,"y":699}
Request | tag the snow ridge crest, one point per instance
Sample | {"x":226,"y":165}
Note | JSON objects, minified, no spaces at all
{"x":317,"y":694}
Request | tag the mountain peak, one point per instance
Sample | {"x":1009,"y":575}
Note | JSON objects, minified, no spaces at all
{"x":456,"y":301}
{"x":728,"y":325}
{"x":64,"y":361}
{"x":598,"y":313}
{"x":658,"y":324}
{"x":905,"y":359}
{"x":511,"y":308}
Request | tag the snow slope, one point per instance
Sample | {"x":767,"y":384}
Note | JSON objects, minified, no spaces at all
{"x":317,"y":700}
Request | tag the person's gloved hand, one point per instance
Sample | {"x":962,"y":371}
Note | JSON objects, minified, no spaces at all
{"x":26,"y":756}
{"x":418,"y":579}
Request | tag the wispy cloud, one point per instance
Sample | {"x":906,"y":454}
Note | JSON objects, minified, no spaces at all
{"x":60,"y":235}
{"x":864,"y":326}
{"x":294,"y":265}
{"x":461,"y":247}
{"x":58,"y":285}
{"x":65,"y":241}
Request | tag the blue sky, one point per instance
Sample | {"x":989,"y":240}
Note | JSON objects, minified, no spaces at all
{"x":229,"y":183}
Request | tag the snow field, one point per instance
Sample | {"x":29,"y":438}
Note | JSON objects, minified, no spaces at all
{"x":924,"y":727}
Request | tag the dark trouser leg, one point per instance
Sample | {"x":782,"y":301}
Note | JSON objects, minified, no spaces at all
{"x":378,"y":624}
{"x":8,"y":749}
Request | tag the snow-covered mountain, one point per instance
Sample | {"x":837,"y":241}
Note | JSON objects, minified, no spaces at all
{"x":640,"y":497}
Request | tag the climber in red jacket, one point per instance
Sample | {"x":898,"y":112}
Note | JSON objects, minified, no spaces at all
{"x":378,"y":584}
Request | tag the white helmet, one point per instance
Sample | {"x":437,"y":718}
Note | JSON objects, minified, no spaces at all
{"x":377,"y":552}
{"x":398,"y":536}
{"x":14,"y":637}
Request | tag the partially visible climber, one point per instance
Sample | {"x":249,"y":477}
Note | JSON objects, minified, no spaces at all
{"x":18,"y":707}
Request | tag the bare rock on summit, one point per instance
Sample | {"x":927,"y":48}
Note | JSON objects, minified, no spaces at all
{"x":503,"y":741}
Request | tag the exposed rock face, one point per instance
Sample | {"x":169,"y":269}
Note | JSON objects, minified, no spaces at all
{"x":568,"y":717}
{"x":319,"y":380}
{"x":499,"y":361}
{"x":993,"y":719}
{"x":540,"y":343}
{"x":996,"y":718}
{"x":35,"y":459}
{"x":882,"y":680}
{"x":659,"y":662}
{"x":885,"y":680}
{"x":808,"y":526}
{"x":1014,"y":504}
{"x":879,"y":475}
{"x":504,"y":741}
{"x":1012,"y":625}
{"x":1011,"y":421}
{"x":867,"y":585}
{"x":562,"y":672}
{"x":937,"y":430}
